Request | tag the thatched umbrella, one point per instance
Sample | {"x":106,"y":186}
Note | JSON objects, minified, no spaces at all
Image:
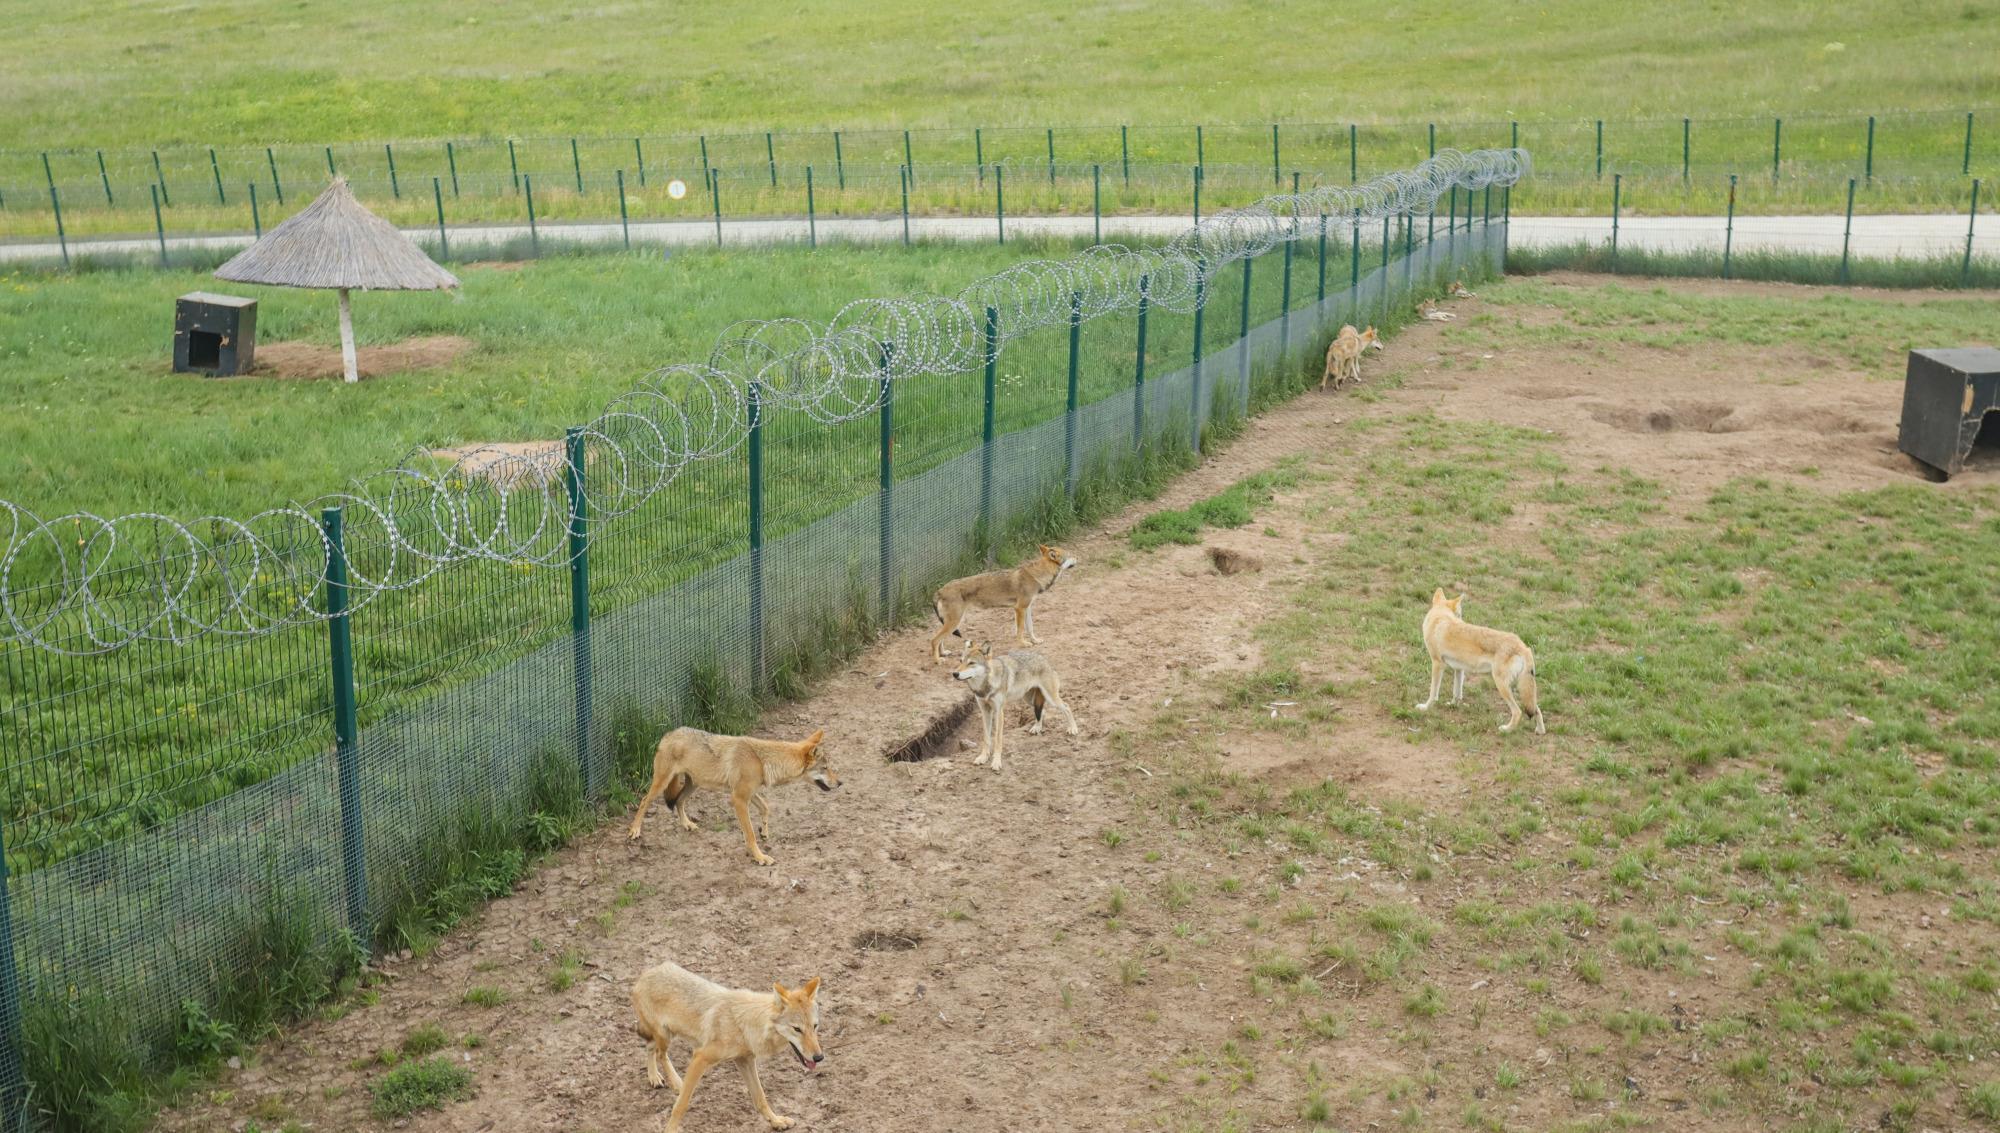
{"x":335,"y":242}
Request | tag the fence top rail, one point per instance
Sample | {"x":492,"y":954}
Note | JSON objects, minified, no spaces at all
{"x":80,"y":583}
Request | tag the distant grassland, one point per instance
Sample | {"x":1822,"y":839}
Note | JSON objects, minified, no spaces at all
{"x":258,"y":71}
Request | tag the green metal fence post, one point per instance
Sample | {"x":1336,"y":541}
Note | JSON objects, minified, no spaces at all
{"x":62,"y":238}
{"x":705,"y":172}
{"x":277,"y":186}
{"x":256,"y":219}
{"x":1139,"y":367}
{"x":1847,"y":230}
{"x":1277,"y":178}
{"x":346,"y":725}
{"x":1729,"y":227}
{"x":1600,"y":149}
{"x":13,"y":1105}
{"x":513,"y":163}
{"x":1353,"y":153}
{"x":839,"y":164}
{"x":579,"y":598}
{"x":1777,"y":144}
{"x":1451,"y":226}
{"x":1616,"y":178}
{"x":216,"y":168}
{"x":1383,"y":285}
{"x":1434,"y":138}
{"x":1965,"y":167}
{"x":638,"y":156}
{"x":437,"y":194}
{"x":534,"y":235}
{"x":160,"y":178}
{"x":1197,"y":194}
{"x":1052,"y":156}
{"x":903,"y":175}
{"x":1069,"y":420}
{"x":48,"y":175}
{"x":909,"y":158}
{"x":1200,"y":150}
{"x":624,"y":217}
{"x":812,"y":215}
{"x":1125,"y":148}
{"x":159,"y":226}
{"x":1868,"y":169}
{"x":1687,"y":146}
{"x":1354,"y":265}
{"x":1097,"y":204}
{"x":1243,"y":350}
{"x":979,"y":153}
{"x":1322,"y":257}
{"x":1284,"y":324}
{"x":104,"y":175}
{"x":771,"y":158}
{"x":885,"y":492}
{"x":999,"y":200}
{"x":395,"y":187}
{"x":576,"y":164}
{"x":756,"y":459}
{"x":1971,"y":219}
{"x":715,"y":198}
{"x":986,"y":435}
{"x":1506,"y":215}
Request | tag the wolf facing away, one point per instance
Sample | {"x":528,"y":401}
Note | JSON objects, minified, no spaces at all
{"x":1465,"y":648}
{"x":688,"y":758}
{"x":725,"y":1025}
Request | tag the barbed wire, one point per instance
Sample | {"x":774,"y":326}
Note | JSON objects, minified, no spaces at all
{"x":82,"y":584}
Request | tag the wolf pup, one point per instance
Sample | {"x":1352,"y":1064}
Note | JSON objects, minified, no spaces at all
{"x":1343,"y":356}
{"x":688,"y":758}
{"x":1010,"y":676}
{"x":725,"y":1025}
{"x":1468,"y":648}
{"x":1017,"y":588}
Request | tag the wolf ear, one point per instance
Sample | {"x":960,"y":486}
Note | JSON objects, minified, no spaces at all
{"x":782,"y":993}
{"x":813,"y":740}
{"x":1437,"y":595}
{"x":1456,"y":602}
{"x":811,"y":988}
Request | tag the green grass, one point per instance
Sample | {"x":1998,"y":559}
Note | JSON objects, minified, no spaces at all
{"x":1230,"y":507}
{"x":1947,"y":272}
{"x":541,"y":78}
{"x":416,"y":1086}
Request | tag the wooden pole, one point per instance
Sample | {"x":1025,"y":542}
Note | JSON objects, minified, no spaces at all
{"x":347,"y":339}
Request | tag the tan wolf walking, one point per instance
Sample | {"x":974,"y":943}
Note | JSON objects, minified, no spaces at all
{"x":1017,"y":588}
{"x":1010,"y":676}
{"x":725,"y":1025}
{"x":1466,"y":648}
{"x":1343,"y":356}
{"x":688,"y":758}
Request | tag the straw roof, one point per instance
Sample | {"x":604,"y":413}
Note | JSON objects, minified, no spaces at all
{"x":336,"y":242}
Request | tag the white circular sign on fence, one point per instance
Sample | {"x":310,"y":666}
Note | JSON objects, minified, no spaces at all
{"x":677,"y":188}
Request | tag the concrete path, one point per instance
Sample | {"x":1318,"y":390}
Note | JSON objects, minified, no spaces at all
{"x":1873,"y":236}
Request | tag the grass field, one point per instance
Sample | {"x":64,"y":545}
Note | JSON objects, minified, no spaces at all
{"x":1046,"y":93}
{"x":102,"y":75}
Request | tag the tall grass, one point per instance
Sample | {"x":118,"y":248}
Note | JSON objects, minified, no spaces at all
{"x":1945,"y":272}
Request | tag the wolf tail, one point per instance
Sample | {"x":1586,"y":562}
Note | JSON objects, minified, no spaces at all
{"x":1040,"y":700}
{"x":1527,"y":685}
{"x":676,"y":787}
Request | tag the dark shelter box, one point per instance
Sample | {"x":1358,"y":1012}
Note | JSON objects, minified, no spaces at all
{"x":1951,"y":404}
{"x":214,"y":334}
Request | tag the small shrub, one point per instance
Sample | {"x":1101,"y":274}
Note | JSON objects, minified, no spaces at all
{"x":415,"y":1086}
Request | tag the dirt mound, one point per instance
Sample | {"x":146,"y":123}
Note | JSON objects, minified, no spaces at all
{"x":1687,"y":416}
{"x":506,"y":463}
{"x":307,"y":361}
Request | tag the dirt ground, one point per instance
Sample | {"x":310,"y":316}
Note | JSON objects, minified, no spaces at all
{"x":957,"y":917}
{"x":307,"y":361}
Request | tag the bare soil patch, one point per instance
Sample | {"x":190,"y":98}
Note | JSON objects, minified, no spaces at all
{"x":976,"y":976}
{"x":309,"y":361}
{"x":506,"y":464}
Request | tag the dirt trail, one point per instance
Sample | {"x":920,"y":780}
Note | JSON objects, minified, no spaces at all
{"x":1001,"y":1002}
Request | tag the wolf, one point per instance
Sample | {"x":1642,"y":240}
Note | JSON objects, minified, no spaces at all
{"x":725,"y":1025}
{"x":1343,"y":356}
{"x":1010,"y":676}
{"x":688,"y":758}
{"x":1017,"y":588}
{"x":1466,"y":648}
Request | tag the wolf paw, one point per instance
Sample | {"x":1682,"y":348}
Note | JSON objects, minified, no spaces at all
{"x":781,"y":1122}
{"x":765,"y":859}
{"x":1424,"y":707}
{"x":1035,"y":729}
{"x":654,"y":1076}
{"x":981,"y":761}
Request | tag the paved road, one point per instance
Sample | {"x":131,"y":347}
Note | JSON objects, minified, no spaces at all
{"x":1873,"y":236}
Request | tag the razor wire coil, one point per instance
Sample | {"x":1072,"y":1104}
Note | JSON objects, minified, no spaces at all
{"x":82,"y":584}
